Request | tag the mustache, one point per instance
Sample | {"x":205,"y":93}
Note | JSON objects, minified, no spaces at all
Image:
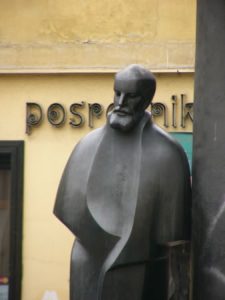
{"x":118,"y":109}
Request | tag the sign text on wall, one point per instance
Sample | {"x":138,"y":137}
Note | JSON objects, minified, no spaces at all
{"x":57,"y":116}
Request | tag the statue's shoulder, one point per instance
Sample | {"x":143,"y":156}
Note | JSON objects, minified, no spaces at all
{"x":166,"y":138}
{"x":162,"y":143}
{"x":87,"y":145}
{"x":92,"y":137}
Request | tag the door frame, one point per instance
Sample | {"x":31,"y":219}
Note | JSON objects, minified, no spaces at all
{"x":16,"y":151}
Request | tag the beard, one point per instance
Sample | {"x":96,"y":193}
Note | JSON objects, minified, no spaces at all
{"x":122,"y":122}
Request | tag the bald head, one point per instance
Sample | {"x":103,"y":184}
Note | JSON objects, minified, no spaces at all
{"x":134,"y":89}
{"x":139,"y":79}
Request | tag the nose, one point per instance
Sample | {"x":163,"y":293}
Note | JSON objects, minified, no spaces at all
{"x":121,"y":99}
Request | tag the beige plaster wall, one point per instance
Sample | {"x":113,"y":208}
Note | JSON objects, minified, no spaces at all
{"x":93,"y":35}
{"x":46,"y":242}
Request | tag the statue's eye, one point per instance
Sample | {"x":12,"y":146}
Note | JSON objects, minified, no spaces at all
{"x":118,"y":93}
{"x":132,"y":95}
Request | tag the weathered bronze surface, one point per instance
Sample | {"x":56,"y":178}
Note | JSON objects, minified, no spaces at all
{"x":125,"y":193}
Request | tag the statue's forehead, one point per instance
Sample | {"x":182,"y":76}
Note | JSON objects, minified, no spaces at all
{"x":127,"y":85}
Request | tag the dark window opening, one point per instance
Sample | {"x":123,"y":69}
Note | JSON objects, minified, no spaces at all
{"x":11,"y":186}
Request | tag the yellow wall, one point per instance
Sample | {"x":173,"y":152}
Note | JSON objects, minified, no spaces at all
{"x":105,"y":34}
{"x":46,"y":242}
{"x":57,"y":36}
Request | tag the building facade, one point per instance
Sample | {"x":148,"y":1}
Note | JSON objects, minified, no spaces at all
{"x":57,"y":65}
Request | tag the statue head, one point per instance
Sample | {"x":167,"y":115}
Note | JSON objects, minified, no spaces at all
{"x":134,"y":89}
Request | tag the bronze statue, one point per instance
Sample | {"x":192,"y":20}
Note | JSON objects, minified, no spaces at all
{"x":124,"y":192}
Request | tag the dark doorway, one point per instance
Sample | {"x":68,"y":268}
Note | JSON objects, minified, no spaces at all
{"x":11,"y":195}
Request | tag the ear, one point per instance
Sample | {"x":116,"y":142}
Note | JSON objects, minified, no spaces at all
{"x":147,"y":103}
